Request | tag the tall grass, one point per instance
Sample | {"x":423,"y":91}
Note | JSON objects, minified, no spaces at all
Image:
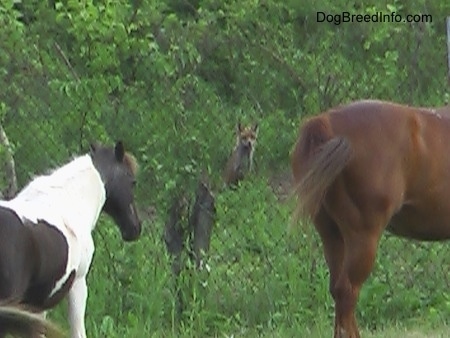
{"x":261,"y":281}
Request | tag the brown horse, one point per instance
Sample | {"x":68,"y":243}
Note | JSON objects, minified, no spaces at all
{"x":363,"y":168}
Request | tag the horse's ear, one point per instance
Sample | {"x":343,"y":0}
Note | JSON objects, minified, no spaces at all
{"x":119,"y":150}
{"x":93,"y":147}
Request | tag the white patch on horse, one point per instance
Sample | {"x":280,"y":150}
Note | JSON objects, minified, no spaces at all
{"x":71,"y":199}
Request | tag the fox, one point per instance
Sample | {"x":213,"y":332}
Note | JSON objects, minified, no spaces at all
{"x":241,"y":159}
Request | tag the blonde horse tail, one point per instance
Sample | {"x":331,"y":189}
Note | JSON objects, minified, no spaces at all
{"x":20,"y":322}
{"x":318,"y":159}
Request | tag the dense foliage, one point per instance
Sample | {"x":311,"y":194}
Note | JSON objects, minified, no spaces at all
{"x":172,"y":78}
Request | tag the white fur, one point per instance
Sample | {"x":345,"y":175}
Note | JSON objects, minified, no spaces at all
{"x":71,"y":199}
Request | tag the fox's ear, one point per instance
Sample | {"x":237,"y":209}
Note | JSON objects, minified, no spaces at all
{"x":255,"y":127}
{"x":238,"y":127}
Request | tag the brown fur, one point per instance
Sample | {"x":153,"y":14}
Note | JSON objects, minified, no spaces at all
{"x":21,"y":322}
{"x":365,"y":167}
{"x":241,"y":160}
{"x":131,"y":163}
{"x":325,"y":166}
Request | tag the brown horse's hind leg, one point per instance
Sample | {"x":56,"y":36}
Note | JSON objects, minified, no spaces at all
{"x":361,"y":242}
{"x":350,"y":262}
{"x":358,"y":263}
{"x":333,"y":247}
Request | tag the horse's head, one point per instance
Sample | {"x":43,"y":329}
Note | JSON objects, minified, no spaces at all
{"x":117,"y":169}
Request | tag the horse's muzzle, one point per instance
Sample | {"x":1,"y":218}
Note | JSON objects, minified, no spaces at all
{"x":132,"y":235}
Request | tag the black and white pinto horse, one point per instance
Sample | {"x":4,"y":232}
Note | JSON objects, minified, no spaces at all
{"x":46,"y":244}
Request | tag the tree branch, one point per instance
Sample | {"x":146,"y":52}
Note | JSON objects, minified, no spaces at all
{"x":67,"y":62}
{"x":10,"y":167}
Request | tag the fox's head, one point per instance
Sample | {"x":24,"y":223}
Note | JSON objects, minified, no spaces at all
{"x":246,"y":136}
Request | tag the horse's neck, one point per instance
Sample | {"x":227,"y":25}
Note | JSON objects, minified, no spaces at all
{"x":73,"y":194}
